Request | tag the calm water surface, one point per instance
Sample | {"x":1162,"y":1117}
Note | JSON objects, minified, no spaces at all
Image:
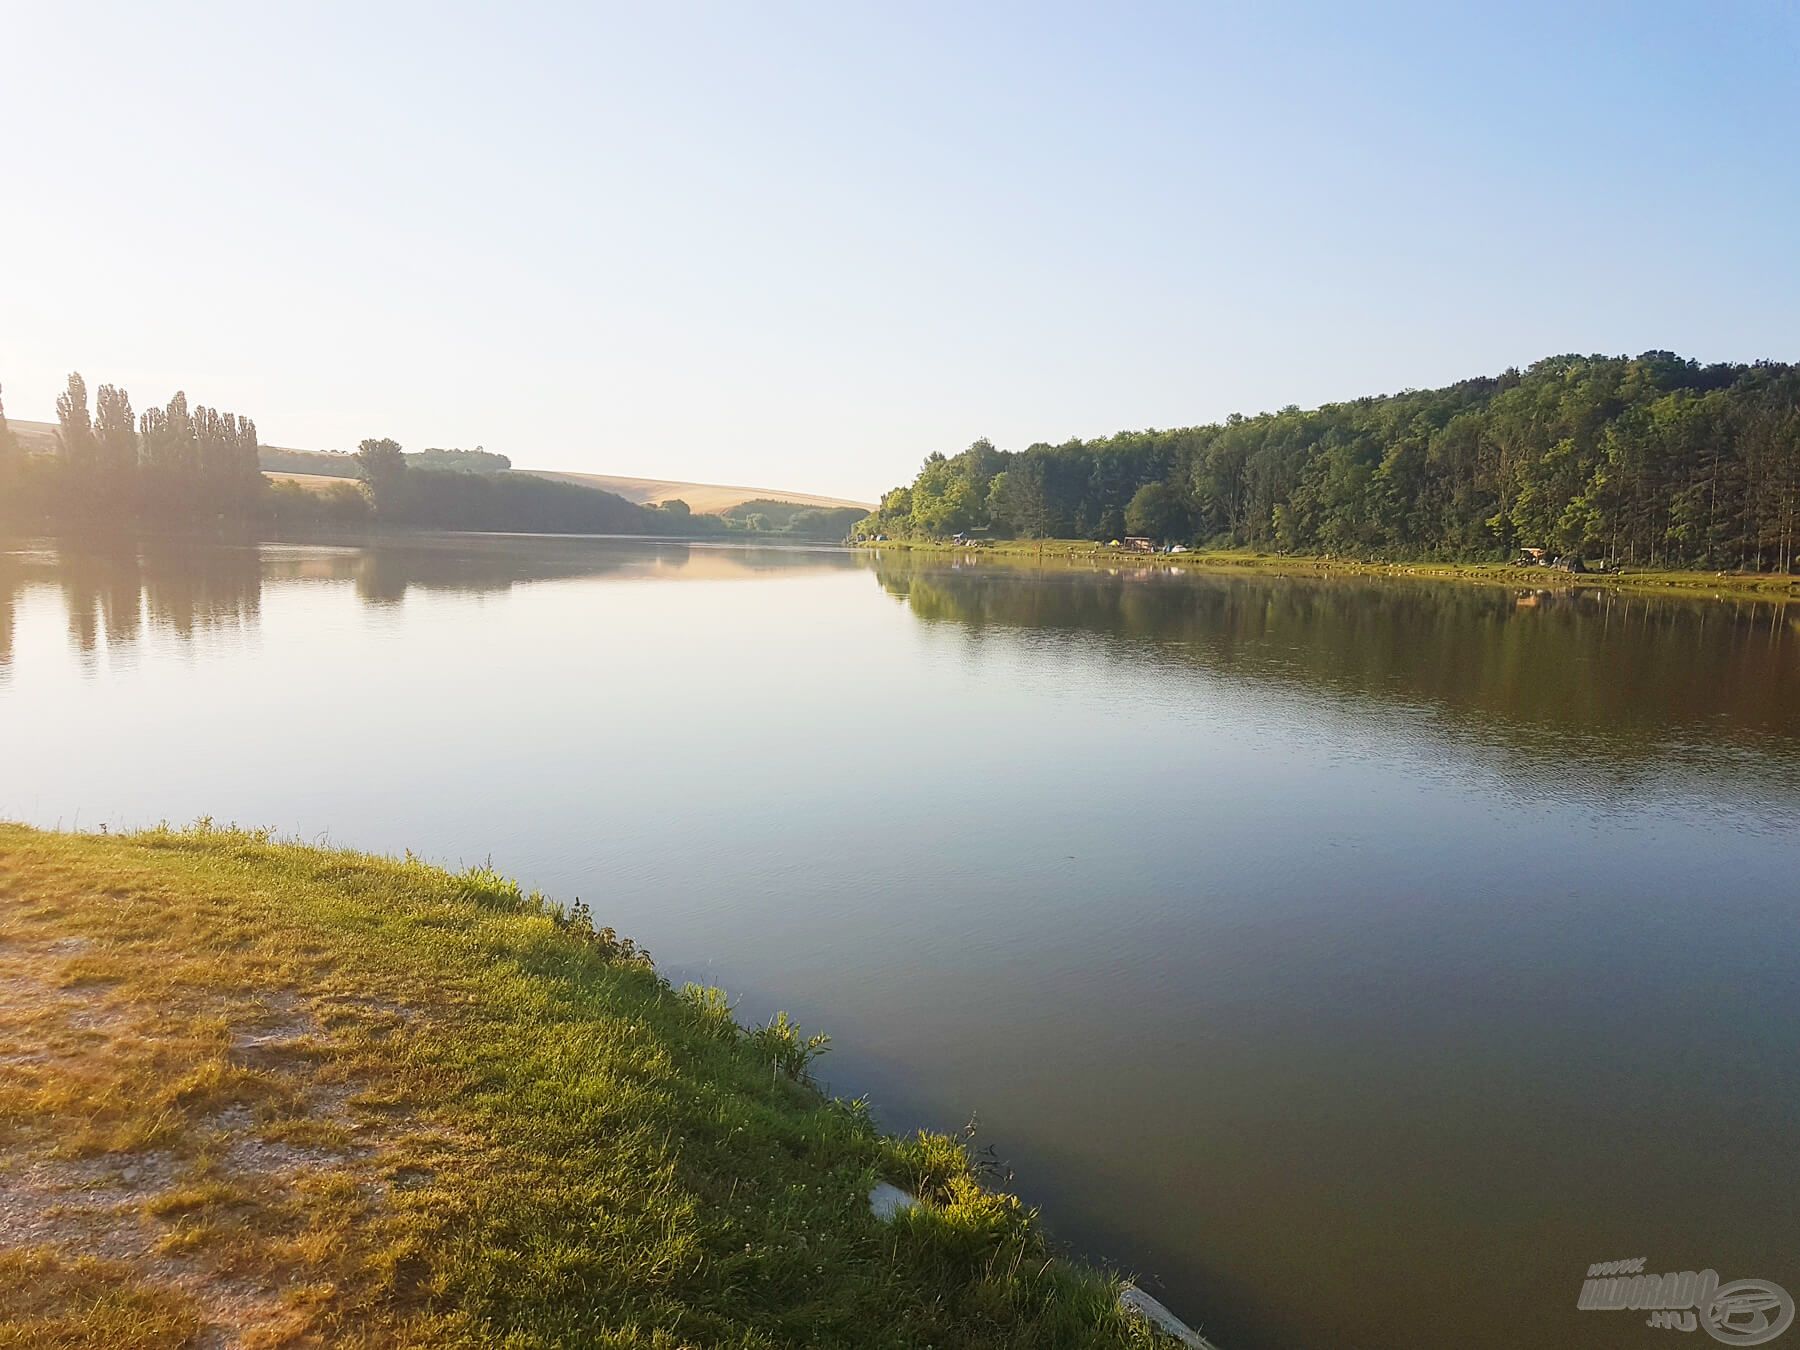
{"x":1357,"y":961}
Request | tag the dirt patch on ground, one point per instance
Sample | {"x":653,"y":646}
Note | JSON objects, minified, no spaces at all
{"x":183,"y":1148}
{"x":99,"y":1208}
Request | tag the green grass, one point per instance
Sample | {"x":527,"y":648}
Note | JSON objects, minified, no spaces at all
{"x":302,"y":1095}
{"x":1738,"y":585}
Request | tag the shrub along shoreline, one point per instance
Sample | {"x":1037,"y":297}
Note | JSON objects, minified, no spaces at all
{"x":287,"y":1093}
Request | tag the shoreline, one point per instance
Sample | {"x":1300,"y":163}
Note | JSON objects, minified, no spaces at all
{"x":275,"y":1091}
{"x":1767,"y":586}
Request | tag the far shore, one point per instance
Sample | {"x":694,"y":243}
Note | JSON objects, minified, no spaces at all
{"x":1770,"y":586}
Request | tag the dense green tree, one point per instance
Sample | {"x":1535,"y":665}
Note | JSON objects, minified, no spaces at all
{"x":382,"y":465}
{"x":1652,"y":460}
{"x":829,"y":523}
{"x":1018,"y":501}
{"x":1156,"y":511}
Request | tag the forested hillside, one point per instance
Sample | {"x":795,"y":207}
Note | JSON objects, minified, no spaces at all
{"x":1652,"y":460}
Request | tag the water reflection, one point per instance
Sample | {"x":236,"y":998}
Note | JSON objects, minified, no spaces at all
{"x":110,"y":593}
{"x":112,"y":590}
{"x":1587,"y":663}
{"x":1599,"y":675}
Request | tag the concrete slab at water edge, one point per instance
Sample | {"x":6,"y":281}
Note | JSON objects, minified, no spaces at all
{"x":886,"y":1201}
{"x":1137,"y":1301}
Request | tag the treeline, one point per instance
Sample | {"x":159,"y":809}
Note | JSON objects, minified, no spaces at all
{"x":454,"y":500}
{"x":459,"y":461}
{"x":173,"y":463}
{"x":342,"y":464}
{"x":765,"y":516}
{"x":1653,"y":460}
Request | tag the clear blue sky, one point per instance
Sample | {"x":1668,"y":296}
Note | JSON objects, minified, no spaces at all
{"x":802,"y":246}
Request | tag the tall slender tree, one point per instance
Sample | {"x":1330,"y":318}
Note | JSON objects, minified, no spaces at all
{"x":9,"y":444}
{"x":116,"y":446}
{"x":10,"y":458}
{"x":75,"y":425}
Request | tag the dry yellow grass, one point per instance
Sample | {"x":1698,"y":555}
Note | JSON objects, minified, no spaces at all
{"x":191,"y":1141}
{"x":312,"y":482}
{"x":705,"y":498}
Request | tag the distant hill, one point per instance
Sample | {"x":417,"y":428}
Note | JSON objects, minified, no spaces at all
{"x":281,"y":460}
{"x":711,"y":499}
{"x":34,"y":436}
{"x":703,"y":498}
{"x":309,"y":467}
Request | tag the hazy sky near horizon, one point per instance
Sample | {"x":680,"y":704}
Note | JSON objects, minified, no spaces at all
{"x":803,"y":245}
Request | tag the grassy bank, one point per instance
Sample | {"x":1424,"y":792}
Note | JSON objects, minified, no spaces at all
{"x":256,"y":1093}
{"x":1737,"y":585}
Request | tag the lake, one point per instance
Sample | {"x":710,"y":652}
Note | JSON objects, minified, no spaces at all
{"x":1358,"y":961}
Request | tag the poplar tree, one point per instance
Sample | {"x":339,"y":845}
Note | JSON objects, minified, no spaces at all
{"x":246,"y":462}
{"x":75,"y":426}
{"x":115,"y":434}
{"x":9,"y":445}
{"x":212,"y":485}
{"x":170,"y":457}
{"x":9,"y":466}
{"x":178,"y":429}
